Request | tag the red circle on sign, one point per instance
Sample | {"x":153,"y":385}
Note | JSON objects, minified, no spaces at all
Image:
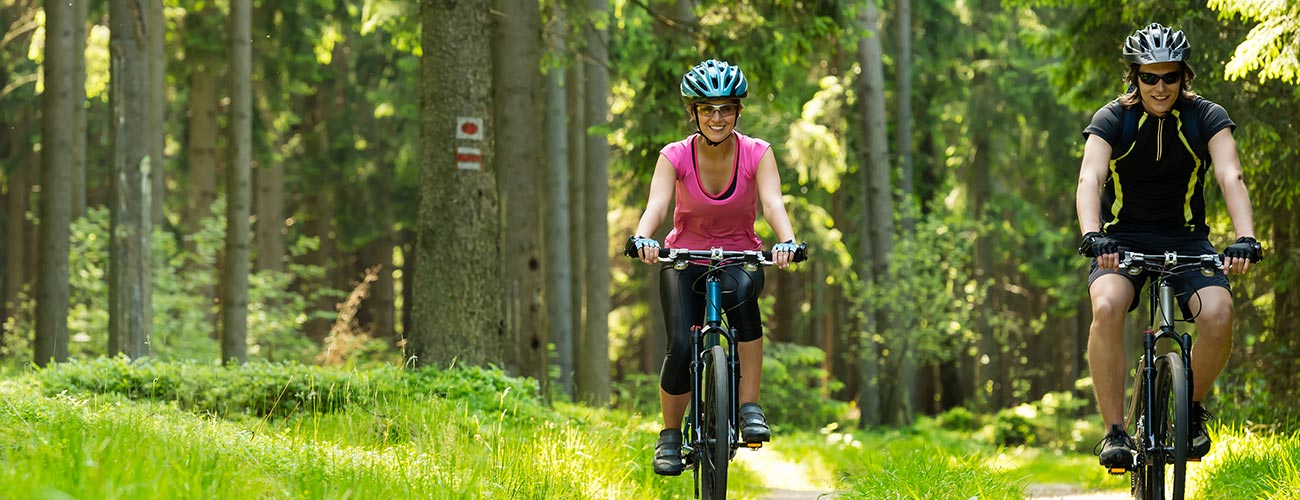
{"x":469,"y":128}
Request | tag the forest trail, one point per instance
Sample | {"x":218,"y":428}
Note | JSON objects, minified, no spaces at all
{"x":1057,"y":491}
{"x":783,"y":478}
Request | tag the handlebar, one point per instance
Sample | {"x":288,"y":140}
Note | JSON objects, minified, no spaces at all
{"x":761,"y":257}
{"x":1135,"y":262}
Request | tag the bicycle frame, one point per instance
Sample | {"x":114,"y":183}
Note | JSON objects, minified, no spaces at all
{"x":1162,"y":306}
{"x":703,"y":338}
{"x":1165,"y":377}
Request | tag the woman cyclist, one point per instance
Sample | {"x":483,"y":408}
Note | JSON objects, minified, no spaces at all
{"x":718,"y":177}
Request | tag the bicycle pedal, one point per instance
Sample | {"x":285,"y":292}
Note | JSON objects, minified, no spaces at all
{"x":1194,"y":460}
{"x":754,"y":446}
{"x":1117,"y":471}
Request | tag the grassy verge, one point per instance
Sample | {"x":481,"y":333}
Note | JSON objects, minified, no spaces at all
{"x":91,"y":445}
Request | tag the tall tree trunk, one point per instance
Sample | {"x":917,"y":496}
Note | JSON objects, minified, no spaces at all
{"x":903,"y":95}
{"x":130,"y":309}
{"x":1284,"y":377}
{"x":234,"y":295}
{"x":203,"y":131}
{"x":156,"y":98}
{"x":57,"y":130}
{"x":519,"y":178}
{"x":457,"y":284}
{"x":594,"y":368}
{"x":269,"y":235}
{"x":576,"y":99}
{"x":878,"y":204}
{"x":78,"y":93}
{"x":559,"y":267}
{"x":19,"y":188}
{"x":979,"y":186}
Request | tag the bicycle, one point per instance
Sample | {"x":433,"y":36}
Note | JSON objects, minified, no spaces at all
{"x":712,"y":429}
{"x":1160,"y":411}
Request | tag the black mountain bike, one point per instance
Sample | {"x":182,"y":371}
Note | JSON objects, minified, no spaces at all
{"x":712,"y":429}
{"x":1159,"y":415}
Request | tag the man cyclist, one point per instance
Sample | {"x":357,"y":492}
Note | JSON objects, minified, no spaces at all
{"x":1141,"y":189}
{"x":718,"y":176}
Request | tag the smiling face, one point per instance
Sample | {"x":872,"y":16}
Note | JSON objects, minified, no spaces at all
{"x":1158,"y":94}
{"x":717,"y":117}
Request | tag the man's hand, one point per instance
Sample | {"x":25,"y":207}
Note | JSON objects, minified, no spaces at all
{"x":1101,"y":247}
{"x":1238,"y":256}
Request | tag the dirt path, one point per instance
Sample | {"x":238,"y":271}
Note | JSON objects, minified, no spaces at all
{"x":784,"y":479}
{"x":1070,"y":492}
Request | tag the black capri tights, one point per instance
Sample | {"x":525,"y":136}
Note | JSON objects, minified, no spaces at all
{"x":682,"y":294}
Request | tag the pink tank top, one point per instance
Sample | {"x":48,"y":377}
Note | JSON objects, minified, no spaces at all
{"x":703,"y":220}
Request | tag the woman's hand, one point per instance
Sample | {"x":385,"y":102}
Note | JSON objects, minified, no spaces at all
{"x":783,"y":253}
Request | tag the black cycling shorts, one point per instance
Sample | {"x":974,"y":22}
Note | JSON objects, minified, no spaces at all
{"x":682,"y":294}
{"x":1187,"y":282}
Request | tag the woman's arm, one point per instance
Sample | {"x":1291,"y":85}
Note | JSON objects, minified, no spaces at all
{"x":769,"y":194}
{"x":661,"y":194}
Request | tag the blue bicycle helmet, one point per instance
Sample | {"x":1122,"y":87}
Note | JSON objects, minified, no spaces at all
{"x":1156,"y":44}
{"x":713,"y":79}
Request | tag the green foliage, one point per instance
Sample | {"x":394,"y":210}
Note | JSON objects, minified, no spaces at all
{"x":795,"y":389}
{"x":184,"y":282}
{"x":460,"y":434}
{"x":1273,"y":46}
{"x":957,"y":419}
{"x":1244,"y":464}
{"x":904,"y":470}
{"x":279,"y":390}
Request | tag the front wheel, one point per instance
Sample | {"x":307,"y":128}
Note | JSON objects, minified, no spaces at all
{"x":1154,"y":479}
{"x":715,"y":435}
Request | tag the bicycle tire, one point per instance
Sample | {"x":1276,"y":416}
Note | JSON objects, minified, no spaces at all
{"x":715,"y":433}
{"x":1178,"y":411}
{"x":1145,"y":482}
{"x":1154,"y":479}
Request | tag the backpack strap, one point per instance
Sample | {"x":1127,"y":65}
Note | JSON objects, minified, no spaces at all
{"x":1128,"y":134}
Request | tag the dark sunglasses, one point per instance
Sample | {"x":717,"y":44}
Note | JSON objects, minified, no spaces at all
{"x":706,"y":109}
{"x":1169,"y":78}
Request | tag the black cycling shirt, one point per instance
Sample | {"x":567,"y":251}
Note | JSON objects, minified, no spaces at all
{"x":1156,"y":184}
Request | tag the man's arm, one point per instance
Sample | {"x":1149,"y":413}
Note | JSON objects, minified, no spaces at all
{"x":1227,"y":171}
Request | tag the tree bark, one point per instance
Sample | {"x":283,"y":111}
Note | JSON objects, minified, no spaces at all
{"x":78,"y":92}
{"x":457,"y":283}
{"x":57,"y":130}
{"x":130,"y":310}
{"x":234,"y":295}
{"x":201,"y":149}
{"x":519,"y":178}
{"x":156,"y":96}
{"x":878,"y":206}
{"x":559,"y":267}
{"x":576,"y":98}
{"x":594,"y":367}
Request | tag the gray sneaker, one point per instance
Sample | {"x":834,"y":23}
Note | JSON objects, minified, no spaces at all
{"x":1115,"y":451}
{"x":1199,"y":435}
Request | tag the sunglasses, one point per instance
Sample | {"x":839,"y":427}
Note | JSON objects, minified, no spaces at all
{"x":1169,"y":78}
{"x":726,"y":110}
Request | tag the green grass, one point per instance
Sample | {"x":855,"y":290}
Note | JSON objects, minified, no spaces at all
{"x":116,"y":430}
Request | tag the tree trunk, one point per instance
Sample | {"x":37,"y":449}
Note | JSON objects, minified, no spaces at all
{"x":559,"y":267}
{"x":57,"y":130}
{"x":594,"y":367}
{"x":519,"y":178}
{"x":78,"y":93}
{"x":457,"y":284}
{"x":979,"y":184}
{"x":903,"y":94}
{"x":202,"y":142}
{"x":130,"y":311}
{"x":878,"y":205}
{"x":576,"y":99}
{"x":234,"y":295}
{"x":155,"y":96}
{"x":1284,"y":377}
